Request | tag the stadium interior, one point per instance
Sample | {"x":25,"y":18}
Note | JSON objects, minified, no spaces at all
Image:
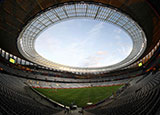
{"x":32,"y":85}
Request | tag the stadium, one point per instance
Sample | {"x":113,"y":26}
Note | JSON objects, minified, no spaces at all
{"x":30,"y":84}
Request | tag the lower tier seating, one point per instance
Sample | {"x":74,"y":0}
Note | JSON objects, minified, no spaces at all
{"x":15,"y":101}
{"x":143,"y":100}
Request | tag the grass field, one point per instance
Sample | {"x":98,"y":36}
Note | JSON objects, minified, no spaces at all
{"x":80,"y":96}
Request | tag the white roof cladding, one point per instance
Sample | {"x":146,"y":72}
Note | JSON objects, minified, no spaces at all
{"x":100,"y":12}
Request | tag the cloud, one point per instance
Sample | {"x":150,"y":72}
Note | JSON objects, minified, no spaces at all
{"x":94,"y":32}
{"x":94,"y":60}
{"x":118,"y":37}
{"x":91,"y":61}
{"x":96,"y":29}
{"x":101,"y":52}
{"x":118,"y":31}
{"x":124,"y":50}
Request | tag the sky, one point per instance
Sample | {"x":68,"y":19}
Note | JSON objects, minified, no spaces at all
{"x":84,"y":43}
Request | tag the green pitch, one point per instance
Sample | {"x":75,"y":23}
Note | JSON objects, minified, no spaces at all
{"x":80,"y":96}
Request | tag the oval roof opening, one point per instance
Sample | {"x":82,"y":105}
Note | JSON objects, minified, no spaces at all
{"x":83,"y":42}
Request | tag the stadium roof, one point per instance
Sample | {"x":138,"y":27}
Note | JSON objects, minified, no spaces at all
{"x":15,"y":15}
{"x":100,"y":12}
